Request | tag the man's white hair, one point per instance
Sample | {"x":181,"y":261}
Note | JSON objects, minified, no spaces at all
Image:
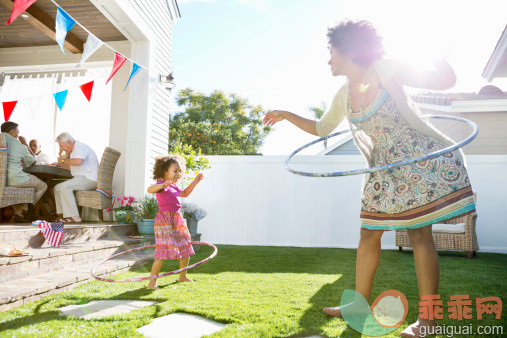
{"x":64,"y":137}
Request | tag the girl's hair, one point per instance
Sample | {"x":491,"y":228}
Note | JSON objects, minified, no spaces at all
{"x":358,"y":39}
{"x":164,"y":162}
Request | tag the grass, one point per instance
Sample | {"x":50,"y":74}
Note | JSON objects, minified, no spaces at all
{"x":261,"y":292}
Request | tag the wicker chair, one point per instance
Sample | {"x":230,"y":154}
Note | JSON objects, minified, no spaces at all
{"x":463,"y":241}
{"x":95,"y":199}
{"x":11,"y":195}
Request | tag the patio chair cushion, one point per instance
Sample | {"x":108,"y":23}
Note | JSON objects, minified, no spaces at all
{"x":449,"y":228}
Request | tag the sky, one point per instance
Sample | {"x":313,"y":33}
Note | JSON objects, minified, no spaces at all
{"x":274,"y":52}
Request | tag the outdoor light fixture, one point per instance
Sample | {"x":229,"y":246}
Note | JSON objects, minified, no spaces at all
{"x":167,"y":81}
{"x":24,"y":16}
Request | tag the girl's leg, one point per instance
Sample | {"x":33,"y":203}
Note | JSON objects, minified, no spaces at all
{"x":183,"y":274}
{"x":427,"y":270}
{"x":368,"y":257}
{"x":155,"y":270}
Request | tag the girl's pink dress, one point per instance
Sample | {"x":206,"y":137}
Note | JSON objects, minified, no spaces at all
{"x":172,"y":239}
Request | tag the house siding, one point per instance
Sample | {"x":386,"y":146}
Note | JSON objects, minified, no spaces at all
{"x":160,"y":19}
{"x":348,"y":148}
{"x":492,"y":136}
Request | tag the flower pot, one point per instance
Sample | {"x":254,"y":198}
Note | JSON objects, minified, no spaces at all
{"x":192,"y":225}
{"x":146,"y":226}
{"x":124,"y":216}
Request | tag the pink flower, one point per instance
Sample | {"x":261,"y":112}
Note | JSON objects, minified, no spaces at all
{"x":108,"y":210}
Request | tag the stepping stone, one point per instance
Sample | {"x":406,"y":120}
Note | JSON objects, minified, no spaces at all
{"x":180,"y":325}
{"x":103,"y":308}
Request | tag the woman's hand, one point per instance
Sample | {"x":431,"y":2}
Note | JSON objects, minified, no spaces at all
{"x":273,"y":117}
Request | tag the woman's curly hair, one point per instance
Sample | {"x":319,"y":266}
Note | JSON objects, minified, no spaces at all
{"x":359,"y":39}
{"x":164,"y":162}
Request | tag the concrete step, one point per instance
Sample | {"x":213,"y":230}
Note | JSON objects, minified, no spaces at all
{"x":25,"y":290}
{"x":43,"y":260}
{"x":22,"y":236}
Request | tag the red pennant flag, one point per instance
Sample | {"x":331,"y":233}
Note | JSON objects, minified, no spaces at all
{"x":119,"y":60}
{"x":87,"y":90}
{"x":19,"y":7}
{"x":8,"y":108}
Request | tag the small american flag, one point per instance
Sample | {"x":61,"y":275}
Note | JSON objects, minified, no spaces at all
{"x":52,"y":231}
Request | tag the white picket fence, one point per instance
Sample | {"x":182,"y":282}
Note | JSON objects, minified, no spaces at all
{"x":254,"y":200}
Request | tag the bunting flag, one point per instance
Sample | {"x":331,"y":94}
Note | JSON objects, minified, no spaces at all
{"x":119,"y":60}
{"x":60,"y":98}
{"x":33,"y":105}
{"x":92,"y":44}
{"x":64,"y":23}
{"x":87,"y":90}
{"x":135,"y":69}
{"x":19,"y":7}
{"x":8,"y":108}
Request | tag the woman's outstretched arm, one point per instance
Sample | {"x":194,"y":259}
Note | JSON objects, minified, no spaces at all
{"x":310,"y":126}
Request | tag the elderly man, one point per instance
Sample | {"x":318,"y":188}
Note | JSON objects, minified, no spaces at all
{"x":19,"y":156}
{"x":40,"y":157}
{"x":84,"y":166}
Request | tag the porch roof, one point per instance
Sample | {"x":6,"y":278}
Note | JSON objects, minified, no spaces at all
{"x":36,"y":28}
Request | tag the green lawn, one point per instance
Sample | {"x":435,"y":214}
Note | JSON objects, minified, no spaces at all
{"x":262,"y":292}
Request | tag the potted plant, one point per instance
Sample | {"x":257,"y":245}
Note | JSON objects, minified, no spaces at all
{"x":146,"y":210}
{"x":193,"y":214}
{"x":125,"y":212}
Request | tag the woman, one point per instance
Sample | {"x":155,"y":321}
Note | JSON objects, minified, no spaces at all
{"x":387,"y":127}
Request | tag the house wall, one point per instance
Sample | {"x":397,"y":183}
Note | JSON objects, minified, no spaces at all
{"x":254,"y":200}
{"x":147,"y":24}
{"x":492,"y":136}
{"x":160,"y":20}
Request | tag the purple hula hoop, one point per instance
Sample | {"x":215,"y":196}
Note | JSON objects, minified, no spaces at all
{"x":139,"y":279}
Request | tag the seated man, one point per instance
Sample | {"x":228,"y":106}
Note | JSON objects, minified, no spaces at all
{"x":19,"y":155}
{"x":84,"y":166}
{"x":40,"y":157}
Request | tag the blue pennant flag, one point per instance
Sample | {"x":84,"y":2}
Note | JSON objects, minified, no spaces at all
{"x":60,"y":98}
{"x":64,"y":23}
{"x":135,"y":69}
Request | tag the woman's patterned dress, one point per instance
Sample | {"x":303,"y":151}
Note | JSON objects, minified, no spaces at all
{"x":414,"y":195}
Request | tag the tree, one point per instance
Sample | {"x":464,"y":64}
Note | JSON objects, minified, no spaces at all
{"x":217,"y":124}
{"x":318,"y":112}
{"x":194,"y":161}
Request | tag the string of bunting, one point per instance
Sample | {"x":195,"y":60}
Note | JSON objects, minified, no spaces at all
{"x":64,"y":23}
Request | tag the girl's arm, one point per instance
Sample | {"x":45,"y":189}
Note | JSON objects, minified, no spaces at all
{"x":158,"y":187}
{"x":188,"y":190}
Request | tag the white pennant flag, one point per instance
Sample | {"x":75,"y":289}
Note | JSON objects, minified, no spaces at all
{"x":33,"y":105}
{"x":92,"y":44}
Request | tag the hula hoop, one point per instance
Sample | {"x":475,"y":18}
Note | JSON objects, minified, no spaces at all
{"x":386,"y":166}
{"x":139,"y":279}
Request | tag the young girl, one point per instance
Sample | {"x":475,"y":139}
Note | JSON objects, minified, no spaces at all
{"x":172,"y":239}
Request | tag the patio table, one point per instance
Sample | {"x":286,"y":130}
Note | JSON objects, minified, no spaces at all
{"x":48,"y":174}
